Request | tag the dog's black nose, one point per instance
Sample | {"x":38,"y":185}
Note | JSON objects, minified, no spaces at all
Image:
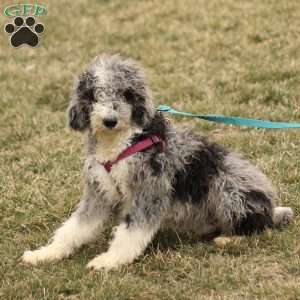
{"x":110,"y":123}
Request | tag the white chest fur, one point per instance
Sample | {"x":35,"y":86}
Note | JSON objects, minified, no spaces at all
{"x":120,"y":176}
{"x":115,"y":184}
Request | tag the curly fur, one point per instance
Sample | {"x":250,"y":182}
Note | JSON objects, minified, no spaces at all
{"x":193,"y":184}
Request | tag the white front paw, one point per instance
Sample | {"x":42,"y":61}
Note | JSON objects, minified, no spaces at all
{"x":32,"y":257}
{"x":104,"y":261}
{"x":43,"y":254}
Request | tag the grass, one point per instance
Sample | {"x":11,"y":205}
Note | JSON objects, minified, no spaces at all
{"x":231,"y":57}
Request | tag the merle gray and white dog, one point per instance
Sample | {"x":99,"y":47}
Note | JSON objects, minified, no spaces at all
{"x":189,"y":184}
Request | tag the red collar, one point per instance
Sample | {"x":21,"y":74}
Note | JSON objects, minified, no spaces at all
{"x":138,"y":147}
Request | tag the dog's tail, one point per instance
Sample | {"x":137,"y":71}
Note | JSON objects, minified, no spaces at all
{"x":282,"y":216}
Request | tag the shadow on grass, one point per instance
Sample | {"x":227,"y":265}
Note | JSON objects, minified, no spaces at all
{"x":169,"y":241}
{"x":172,"y":240}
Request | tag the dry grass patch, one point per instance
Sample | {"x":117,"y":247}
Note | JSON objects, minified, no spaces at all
{"x":230,"y":57}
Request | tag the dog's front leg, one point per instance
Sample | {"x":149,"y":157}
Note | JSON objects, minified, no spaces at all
{"x":131,"y":237}
{"x":128,"y":243}
{"x":81,"y":228}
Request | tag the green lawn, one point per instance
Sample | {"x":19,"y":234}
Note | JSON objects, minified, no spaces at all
{"x":228,"y":56}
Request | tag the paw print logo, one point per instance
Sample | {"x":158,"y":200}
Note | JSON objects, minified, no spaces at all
{"x":24,"y":32}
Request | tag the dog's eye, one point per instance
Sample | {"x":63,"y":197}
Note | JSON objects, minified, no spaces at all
{"x":88,"y":95}
{"x":129,"y":96}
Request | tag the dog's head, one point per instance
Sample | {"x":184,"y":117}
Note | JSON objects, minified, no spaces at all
{"x":111,"y":95}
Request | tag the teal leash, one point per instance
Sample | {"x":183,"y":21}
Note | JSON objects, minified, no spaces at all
{"x":238,"y":121}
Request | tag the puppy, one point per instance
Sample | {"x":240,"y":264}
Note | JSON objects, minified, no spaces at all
{"x":145,"y":174}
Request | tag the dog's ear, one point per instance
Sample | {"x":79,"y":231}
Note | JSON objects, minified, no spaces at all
{"x":85,"y":87}
{"x":79,"y":118}
{"x":137,"y":101}
{"x":141,"y":111}
{"x":81,"y":102}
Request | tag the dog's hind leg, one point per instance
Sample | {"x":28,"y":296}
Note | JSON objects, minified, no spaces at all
{"x":281,"y":216}
{"x":223,"y":241}
{"x":81,"y":228}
